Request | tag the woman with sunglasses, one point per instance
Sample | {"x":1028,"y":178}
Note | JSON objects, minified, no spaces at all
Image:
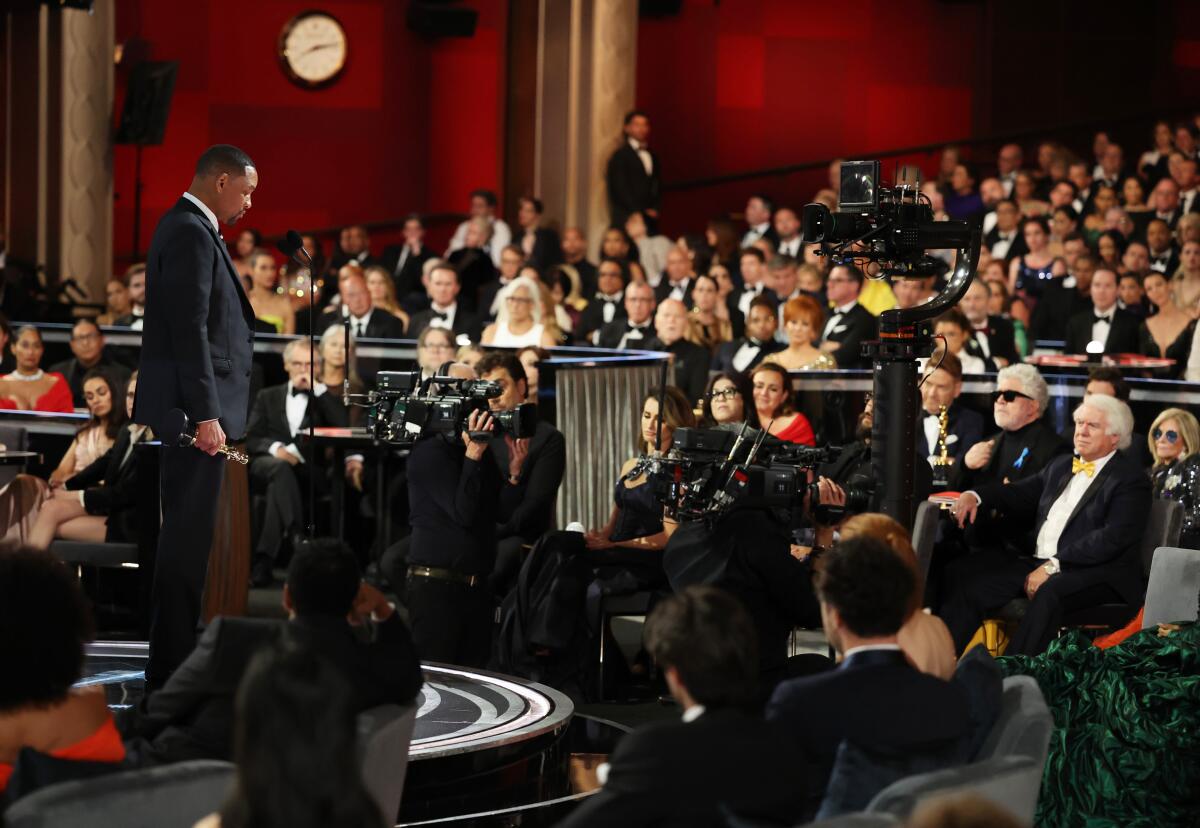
{"x":1174,"y":441}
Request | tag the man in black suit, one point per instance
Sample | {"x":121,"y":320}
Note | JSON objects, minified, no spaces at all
{"x":197,"y":350}
{"x":405,"y":261}
{"x":680,"y":281}
{"x":1064,"y":298}
{"x":540,"y":245}
{"x":1089,"y":513}
{"x":87,"y":344}
{"x":1005,"y":240}
{"x":716,"y":758}
{"x":690,"y":360}
{"x":353,"y":246}
{"x":992,"y":337}
{"x":444,"y":310}
{"x":532,"y":466}
{"x":632,"y":174}
{"x":759,"y":209}
{"x":474,"y":264}
{"x":753,"y":265}
{"x":607,"y":304}
{"x":326,"y":600}
{"x":940,"y":389}
{"x":875,"y":700}
{"x":849,"y":324}
{"x":787,"y":229}
{"x":278,"y":468}
{"x":574,"y":250}
{"x":636,"y":329}
{"x":366,"y":320}
{"x":759,"y":342}
{"x":1106,"y":328}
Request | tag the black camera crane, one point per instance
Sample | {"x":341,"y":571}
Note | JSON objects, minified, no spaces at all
{"x":887,"y":231}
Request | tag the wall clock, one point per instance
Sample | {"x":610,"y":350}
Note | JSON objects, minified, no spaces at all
{"x":313,"y":49}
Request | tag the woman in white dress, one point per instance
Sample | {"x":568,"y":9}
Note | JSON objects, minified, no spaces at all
{"x":519,"y":321}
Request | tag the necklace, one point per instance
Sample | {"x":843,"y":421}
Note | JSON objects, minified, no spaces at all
{"x":26,"y":377}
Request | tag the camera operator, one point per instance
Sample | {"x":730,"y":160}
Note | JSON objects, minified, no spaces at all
{"x":454,"y":500}
{"x":532,"y":468}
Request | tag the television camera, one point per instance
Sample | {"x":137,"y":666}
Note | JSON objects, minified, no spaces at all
{"x":403,"y":408}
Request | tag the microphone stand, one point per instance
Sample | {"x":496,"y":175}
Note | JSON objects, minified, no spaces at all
{"x":301,"y":257}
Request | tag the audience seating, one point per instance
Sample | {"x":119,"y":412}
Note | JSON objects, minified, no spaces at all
{"x":171,"y":796}
{"x":1025,"y":723}
{"x":1010,"y":782}
{"x":385,"y":733}
{"x":1174,"y":590}
{"x":13,"y":438}
{"x":924,"y":533}
{"x":611,"y":606}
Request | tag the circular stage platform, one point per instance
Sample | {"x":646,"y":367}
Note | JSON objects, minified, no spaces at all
{"x":482,"y":742}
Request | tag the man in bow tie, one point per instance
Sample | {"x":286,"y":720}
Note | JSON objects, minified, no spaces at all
{"x":632,"y":174}
{"x":1005,"y":239}
{"x":608,"y":303}
{"x":636,"y":330}
{"x":744,"y":353}
{"x":1106,"y":328}
{"x":278,"y":467}
{"x":964,"y":427}
{"x":1088,"y":513}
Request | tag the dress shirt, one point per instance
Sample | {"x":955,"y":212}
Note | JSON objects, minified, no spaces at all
{"x":1102,"y":325}
{"x":501,"y":238}
{"x":358,"y":324}
{"x":747,"y":297}
{"x":989,"y":221}
{"x":644,"y":154}
{"x":611,"y":303}
{"x":755,"y":233}
{"x":790,"y":247}
{"x":636,"y":333}
{"x":746,"y":354}
{"x":1060,"y":512}
{"x":679,"y":290}
{"x":212,"y":217}
{"x":836,"y":317}
{"x":1186,"y":200}
{"x":982,"y":338}
{"x":866,"y":648}
{"x":1192,"y":370}
{"x":404,"y":251}
{"x":1008,"y":182}
{"x":694,"y":712}
{"x":932,"y":429}
{"x":295,"y":406}
{"x":1004,"y":242}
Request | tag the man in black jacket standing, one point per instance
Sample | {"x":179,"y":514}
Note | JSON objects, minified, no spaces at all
{"x":532,"y":467}
{"x":632,"y":175}
{"x":1105,"y":328}
{"x":197,"y":349}
{"x":685,"y":772}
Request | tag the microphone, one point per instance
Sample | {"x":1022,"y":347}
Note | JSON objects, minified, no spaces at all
{"x":293,"y":247}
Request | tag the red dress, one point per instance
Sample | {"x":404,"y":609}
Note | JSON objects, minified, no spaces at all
{"x":57,"y":399}
{"x":103,"y":745}
{"x":799,"y":431}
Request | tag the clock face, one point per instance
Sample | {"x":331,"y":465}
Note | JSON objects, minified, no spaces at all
{"x":312,"y":49}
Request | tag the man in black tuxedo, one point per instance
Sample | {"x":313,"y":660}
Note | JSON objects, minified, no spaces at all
{"x":690,"y":360}
{"x":327,"y":601}
{"x":716,"y":758}
{"x":636,"y":329}
{"x":353,"y":246}
{"x":532,"y":466}
{"x":875,"y":700}
{"x":680,"y":281}
{"x":87,"y":345}
{"x":992,"y":337}
{"x":1163,"y":254}
{"x":278,"y":468}
{"x":574,"y":250}
{"x":1105,"y":327}
{"x":197,"y":350}
{"x":540,"y":245}
{"x":632,"y":174}
{"x":474,"y":264}
{"x":1063,"y":298}
{"x":744,"y":353}
{"x":608,"y":303}
{"x":444,"y":310}
{"x":941,"y":388}
{"x":787,"y":228}
{"x":366,"y":320}
{"x":1005,"y":240}
{"x":753,"y":265}
{"x":849,"y":324}
{"x":405,"y":261}
{"x":1089,"y":514}
{"x":759,"y":209}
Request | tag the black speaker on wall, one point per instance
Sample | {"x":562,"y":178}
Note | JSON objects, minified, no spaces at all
{"x":147,"y":103}
{"x":441,"y":18}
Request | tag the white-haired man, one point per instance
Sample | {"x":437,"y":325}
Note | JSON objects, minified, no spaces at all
{"x":1089,"y":513}
{"x":1025,"y":444}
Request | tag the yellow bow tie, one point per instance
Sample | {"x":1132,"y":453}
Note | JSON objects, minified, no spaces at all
{"x":1078,"y":466}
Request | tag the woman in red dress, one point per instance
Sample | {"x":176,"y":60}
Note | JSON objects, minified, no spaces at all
{"x":29,"y":388}
{"x":773,"y":402}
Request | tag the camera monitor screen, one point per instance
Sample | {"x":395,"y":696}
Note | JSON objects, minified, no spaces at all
{"x":860,"y":186}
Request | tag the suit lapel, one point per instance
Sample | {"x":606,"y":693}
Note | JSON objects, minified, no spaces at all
{"x":1096,"y":485}
{"x":230,"y":268}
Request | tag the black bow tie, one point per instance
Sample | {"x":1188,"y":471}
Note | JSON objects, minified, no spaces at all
{"x":633,"y":327}
{"x":757,"y":343}
{"x":301,"y":392}
{"x":441,"y":316}
{"x":609,"y":300}
{"x":1107,"y":319}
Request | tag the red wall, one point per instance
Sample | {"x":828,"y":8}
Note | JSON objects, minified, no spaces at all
{"x":739,"y":85}
{"x":411,"y":125}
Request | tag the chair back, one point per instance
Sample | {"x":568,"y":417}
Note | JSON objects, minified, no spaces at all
{"x":1009,"y":782}
{"x":384,"y":734}
{"x":1024,"y":725}
{"x":170,"y":796}
{"x":1162,"y":529}
{"x":924,"y":533}
{"x":1173,"y":593}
